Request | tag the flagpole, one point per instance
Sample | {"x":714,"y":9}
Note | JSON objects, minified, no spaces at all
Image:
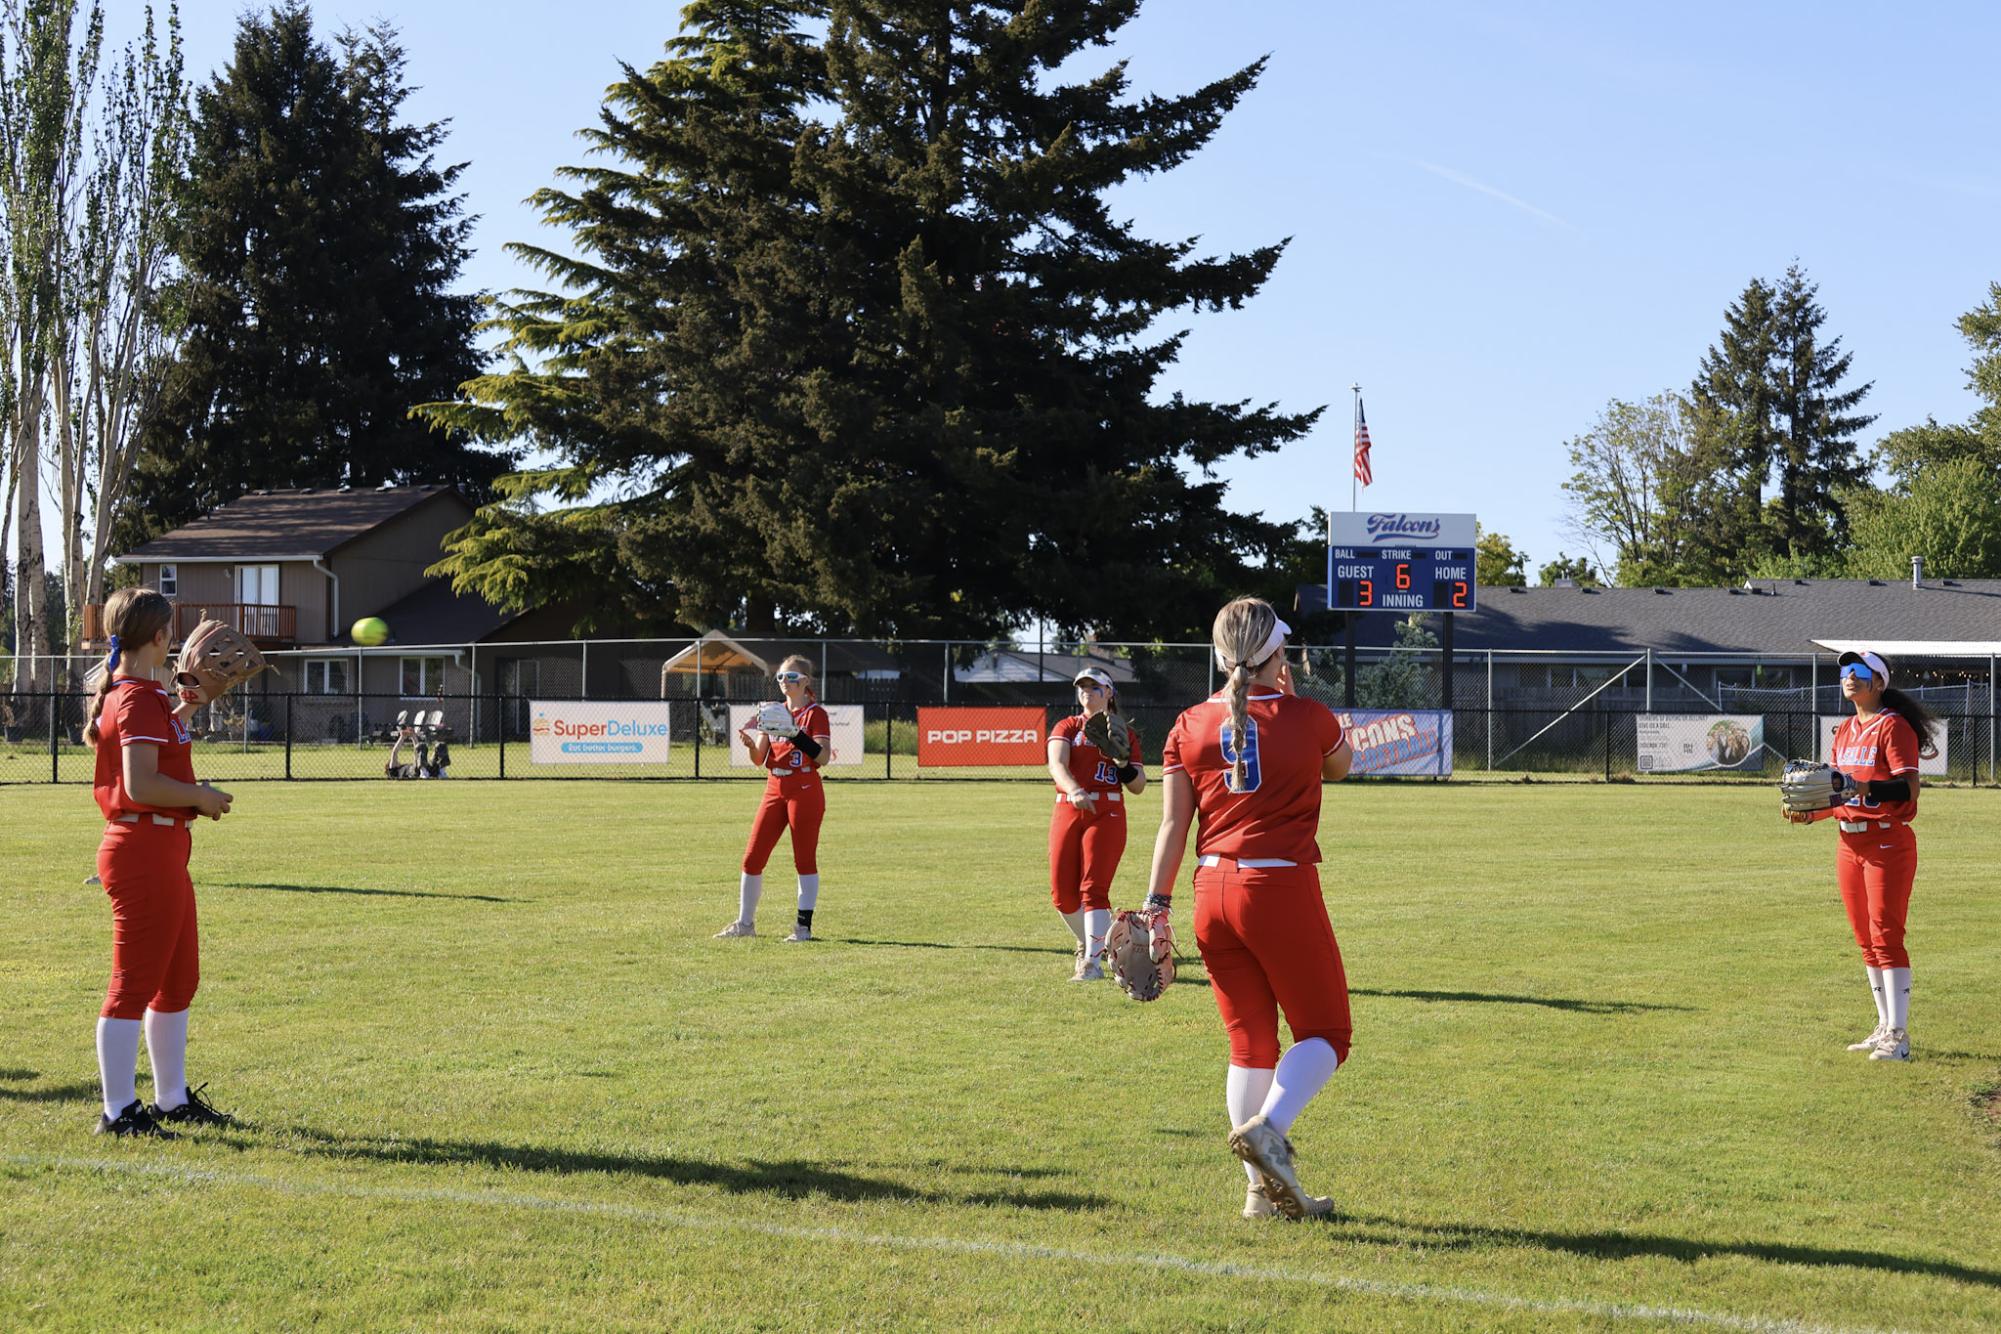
{"x":1354,"y":427}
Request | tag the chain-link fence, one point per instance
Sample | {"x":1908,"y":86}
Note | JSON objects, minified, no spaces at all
{"x":901,"y":709}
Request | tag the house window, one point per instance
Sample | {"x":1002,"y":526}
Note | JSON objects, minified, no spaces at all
{"x":170,"y":582}
{"x":257,"y":585}
{"x":423,"y":677}
{"x":327,"y":676}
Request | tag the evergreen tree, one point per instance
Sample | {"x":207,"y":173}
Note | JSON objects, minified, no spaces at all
{"x":1817,"y":424}
{"x":1735,"y":441}
{"x":1907,"y":453}
{"x":898,"y":370}
{"x":319,"y":242}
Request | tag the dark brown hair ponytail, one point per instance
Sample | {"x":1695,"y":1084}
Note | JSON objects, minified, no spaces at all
{"x":132,"y":616}
{"x":1921,"y":719}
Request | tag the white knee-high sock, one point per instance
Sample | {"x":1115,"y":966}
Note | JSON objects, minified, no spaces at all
{"x":1097,"y":922}
{"x":1075,"y":921}
{"x":1898,"y":982}
{"x":118,"y":1063}
{"x":1244,"y":1090}
{"x":1881,"y":993}
{"x":809,"y":891}
{"x":747,"y":895}
{"x":167,"y":1045}
{"x":1302,"y":1072}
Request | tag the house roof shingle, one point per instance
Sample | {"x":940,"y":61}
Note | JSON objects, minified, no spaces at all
{"x":277,"y":524}
{"x":1781,"y":616}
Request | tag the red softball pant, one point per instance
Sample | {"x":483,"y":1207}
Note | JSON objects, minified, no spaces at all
{"x":1875,"y":870}
{"x":1268,"y":946}
{"x":796,"y":806}
{"x":155,"y":957}
{"x":1084,"y":852}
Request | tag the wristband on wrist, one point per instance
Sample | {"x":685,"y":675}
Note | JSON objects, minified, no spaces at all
{"x":808,"y":745}
{"x":1127,"y":774}
{"x":1160,"y":901}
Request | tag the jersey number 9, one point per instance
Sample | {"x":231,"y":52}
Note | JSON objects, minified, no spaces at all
{"x":1252,"y":776}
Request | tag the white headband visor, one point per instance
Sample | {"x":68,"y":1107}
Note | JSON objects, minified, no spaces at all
{"x":1273,"y":644}
{"x":1877,"y":667}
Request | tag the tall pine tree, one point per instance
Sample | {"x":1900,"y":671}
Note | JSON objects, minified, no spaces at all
{"x":894,"y":373}
{"x":319,"y":244}
{"x":1776,"y":440}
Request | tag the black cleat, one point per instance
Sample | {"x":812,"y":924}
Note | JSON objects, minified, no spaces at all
{"x":196,"y":1111}
{"x":136,"y":1119}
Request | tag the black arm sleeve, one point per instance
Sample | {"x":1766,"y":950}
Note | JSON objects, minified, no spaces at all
{"x":1891,"y":789}
{"x":1127,"y":774}
{"x":808,"y":745}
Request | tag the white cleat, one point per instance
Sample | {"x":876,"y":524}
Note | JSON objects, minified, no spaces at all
{"x":1869,"y":1043}
{"x":800,"y":933}
{"x":1092,"y":971}
{"x":1895,"y":1046}
{"x":1257,"y":1204}
{"x":735,"y":929}
{"x":1259,"y":1143}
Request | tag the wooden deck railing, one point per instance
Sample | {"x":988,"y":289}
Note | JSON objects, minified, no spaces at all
{"x":261,"y":623}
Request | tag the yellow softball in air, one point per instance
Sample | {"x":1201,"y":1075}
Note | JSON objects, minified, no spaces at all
{"x":370,"y":631}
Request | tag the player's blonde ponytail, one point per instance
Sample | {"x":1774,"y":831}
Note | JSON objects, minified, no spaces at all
{"x":132,"y":616}
{"x":1241,"y":632}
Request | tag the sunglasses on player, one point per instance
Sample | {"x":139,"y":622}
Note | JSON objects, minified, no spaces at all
{"x":1856,"y":671}
{"x":787,"y":678}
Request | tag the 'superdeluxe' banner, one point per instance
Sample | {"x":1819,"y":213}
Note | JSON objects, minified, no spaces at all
{"x":1673,"y":743}
{"x":958,"y":738}
{"x":847,"y":736}
{"x":590,"y":732}
{"x":1399,"y":741}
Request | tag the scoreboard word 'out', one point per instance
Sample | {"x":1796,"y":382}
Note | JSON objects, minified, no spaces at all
{"x":1407,"y":562}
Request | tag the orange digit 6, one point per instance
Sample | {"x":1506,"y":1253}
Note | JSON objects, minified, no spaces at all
{"x":1403,"y":577}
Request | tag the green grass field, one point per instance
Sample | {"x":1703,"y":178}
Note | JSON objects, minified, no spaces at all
{"x":495,"y":1074}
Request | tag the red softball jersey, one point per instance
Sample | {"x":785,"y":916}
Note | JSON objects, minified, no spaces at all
{"x":139,"y":711}
{"x":785,"y":760}
{"x":1091,"y":767}
{"x":1277,"y":814}
{"x":1879,"y":749}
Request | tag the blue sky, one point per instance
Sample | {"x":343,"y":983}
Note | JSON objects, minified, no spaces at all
{"x":1502,"y":216}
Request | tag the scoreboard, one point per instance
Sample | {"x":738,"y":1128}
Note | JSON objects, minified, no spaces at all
{"x":1407,"y":562}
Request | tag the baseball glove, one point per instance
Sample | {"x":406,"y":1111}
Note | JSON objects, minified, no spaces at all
{"x":215,"y":659}
{"x":1808,"y":786}
{"x":1140,"y":947}
{"x":1112,"y":735}
{"x":774,"y":719}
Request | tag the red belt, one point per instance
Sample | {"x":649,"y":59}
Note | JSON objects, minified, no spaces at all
{"x":170,"y":821}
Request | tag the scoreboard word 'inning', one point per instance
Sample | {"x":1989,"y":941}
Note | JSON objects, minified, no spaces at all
{"x":1405,"y":562}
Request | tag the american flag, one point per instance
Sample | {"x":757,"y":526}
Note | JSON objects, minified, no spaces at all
{"x":1362,"y":473}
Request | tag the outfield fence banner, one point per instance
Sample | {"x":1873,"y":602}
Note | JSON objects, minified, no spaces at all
{"x":846,"y":720}
{"x":1682,"y":743}
{"x":1399,"y":741}
{"x":1929,"y":766}
{"x":591,"y":732}
{"x":974,"y":738}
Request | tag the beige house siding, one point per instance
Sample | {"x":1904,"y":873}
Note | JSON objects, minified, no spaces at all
{"x":213,"y":584}
{"x":387,"y":564}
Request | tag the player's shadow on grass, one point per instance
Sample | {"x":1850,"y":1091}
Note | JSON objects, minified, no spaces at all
{"x":80,"y":1091}
{"x":356,"y":889}
{"x":1630,"y":1245}
{"x":1493,"y":998}
{"x":791,"y":1178}
{"x":1063,"y":950}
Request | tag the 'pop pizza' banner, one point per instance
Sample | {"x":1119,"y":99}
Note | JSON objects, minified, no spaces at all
{"x":1399,"y":741}
{"x":961,"y":738}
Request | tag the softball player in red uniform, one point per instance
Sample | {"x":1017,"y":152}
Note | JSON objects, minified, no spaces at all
{"x":1877,"y":859}
{"x":1087,"y":834}
{"x":1245,"y":768}
{"x":795,"y":798}
{"x":145,"y":785}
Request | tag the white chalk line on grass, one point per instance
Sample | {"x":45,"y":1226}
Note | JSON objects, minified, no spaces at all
{"x":1372,"y":1287}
